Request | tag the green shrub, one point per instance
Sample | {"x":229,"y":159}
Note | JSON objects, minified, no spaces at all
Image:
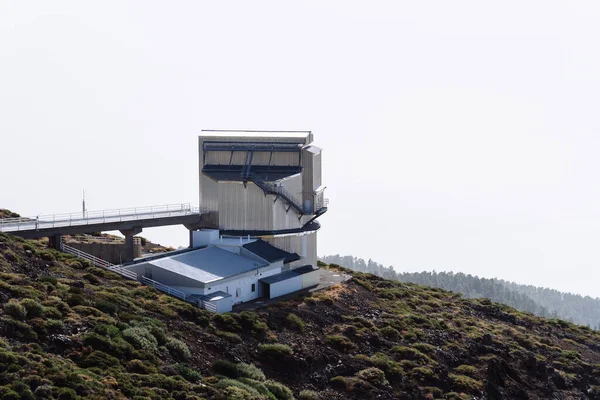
{"x":409,"y":353}
{"x":341,"y":343}
{"x":252,"y":323}
{"x":294,"y":322}
{"x":15,"y":309}
{"x":423,"y":373}
{"x":189,"y":374}
{"x":229,"y":336}
{"x":107,"y":307}
{"x":465,"y":383}
{"x":107,"y":330}
{"x":51,"y":280}
{"x":33,"y":307}
{"x":227,"y":322}
{"x":140,"y":367}
{"x":66,"y":394}
{"x":275,"y":351}
{"x":373,"y":375}
{"x":280,"y":391}
{"x":241,"y":370}
{"x":425,"y":348}
{"x":237,"y":390}
{"x":250,"y":371}
{"x":91,"y":278}
{"x":468,"y":370}
{"x":225,"y":368}
{"x":140,"y":338}
{"x":76,"y":300}
{"x":178,"y":349}
{"x":100,"y":359}
{"x":390,"y":333}
{"x":309,"y":395}
{"x":393,"y":370}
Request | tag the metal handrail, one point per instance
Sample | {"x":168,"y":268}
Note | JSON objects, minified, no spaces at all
{"x":99,"y":262}
{"x":280,"y":191}
{"x":95,"y":217}
{"x":86,"y":256}
{"x":163,"y":288}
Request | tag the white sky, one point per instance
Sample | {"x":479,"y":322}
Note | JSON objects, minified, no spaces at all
{"x":457,"y":135}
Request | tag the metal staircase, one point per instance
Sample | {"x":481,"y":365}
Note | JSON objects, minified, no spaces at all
{"x":279,"y":191}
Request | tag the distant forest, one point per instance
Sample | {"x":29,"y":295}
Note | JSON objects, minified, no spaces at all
{"x":543,"y":302}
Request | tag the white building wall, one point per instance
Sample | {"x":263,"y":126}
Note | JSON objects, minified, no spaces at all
{"x":284,"y":287}
{"x":305,"y":245}
{"x":240,"y":289}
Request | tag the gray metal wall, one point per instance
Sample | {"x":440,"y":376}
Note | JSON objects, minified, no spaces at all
{"x":295,"y":244}
{"x":247,"y":208}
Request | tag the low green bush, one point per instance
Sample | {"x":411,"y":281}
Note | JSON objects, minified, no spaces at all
{"x":250,"y":371}
{"x":178,"y":349}
{"x":15,"y":309}
{"x":341,"y":343}
{"x":309,"y":395}
{"x":468,"y":370}
{"x":373,"y":375}
{"x":279,"y":390}
{"x":228,"y":322}
{"x":274,"y":351}
{"x":294,"y":322}
{"x":34,"y":308}
{"x":225,"y":368}
{"x":189,"y":374}
{"x":140,"y":338}
{"x":229,"y":336}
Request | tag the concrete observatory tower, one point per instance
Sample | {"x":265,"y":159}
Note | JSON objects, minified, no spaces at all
{"x":263,"y":184}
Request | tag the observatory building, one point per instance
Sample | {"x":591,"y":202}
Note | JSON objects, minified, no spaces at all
{"x":260,"y":196}
{"x":264,"y":184}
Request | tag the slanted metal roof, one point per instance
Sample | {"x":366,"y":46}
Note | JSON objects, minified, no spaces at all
{"x":269,"y":252}
{"x":284,"y":276}
{"x":305,"y":269}
{"x":262,"y":172}
{"x":208,"y":264}
{"x":253,"y":133}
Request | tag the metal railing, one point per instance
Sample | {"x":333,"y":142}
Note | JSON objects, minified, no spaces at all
{"x":99,"y":262}
{"x":278,"y":190}
{"x":96,"y":217}
{"x":86,"y":256}
{"x":163,"y":288}
{"x":208,"y":305}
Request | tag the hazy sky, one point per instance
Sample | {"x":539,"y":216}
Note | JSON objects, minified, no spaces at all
{"x":457,"y":135}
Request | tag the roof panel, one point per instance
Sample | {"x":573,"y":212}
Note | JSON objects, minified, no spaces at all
{"x":302,"y":135}
{"x":207,"y":265}
{"x":269,"y":252}
{"x":284,"y":276}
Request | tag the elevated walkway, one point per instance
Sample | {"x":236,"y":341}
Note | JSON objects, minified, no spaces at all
{"x":101,"y":221}
{"x":129,"y":221}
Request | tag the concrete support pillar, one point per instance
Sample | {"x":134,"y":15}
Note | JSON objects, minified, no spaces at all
{"x":129,"y":248}
{"x":191,"y":238}
{"x":55,"y":241}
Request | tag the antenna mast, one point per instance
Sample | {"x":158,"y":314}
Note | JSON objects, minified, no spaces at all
{"x":83,"y":204}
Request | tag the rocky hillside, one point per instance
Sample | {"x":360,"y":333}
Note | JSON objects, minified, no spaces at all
{"x":69,"y":331}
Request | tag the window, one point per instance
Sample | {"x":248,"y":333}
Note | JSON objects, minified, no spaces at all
{"x":254,"y":287}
